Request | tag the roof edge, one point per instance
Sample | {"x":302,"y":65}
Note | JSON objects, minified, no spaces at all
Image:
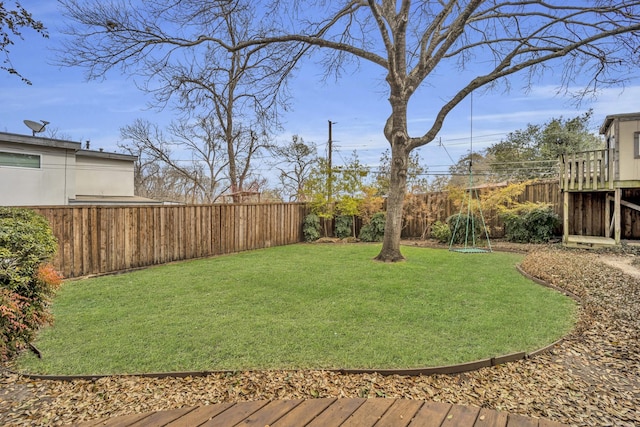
{"x":610,"y":118}
{"x":40,"y":141}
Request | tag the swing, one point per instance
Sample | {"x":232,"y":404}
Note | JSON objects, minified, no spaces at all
{"x":471,"y":235}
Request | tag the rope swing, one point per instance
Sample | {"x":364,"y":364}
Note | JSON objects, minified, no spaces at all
{"x":472,"y":235}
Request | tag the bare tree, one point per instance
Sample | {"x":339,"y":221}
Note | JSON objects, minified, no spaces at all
{"x":189,"y":163}
{"x":11,"y":22}
{"x":411,"y":42}
{"x":294,"y":162}
{"x":241,"y":90}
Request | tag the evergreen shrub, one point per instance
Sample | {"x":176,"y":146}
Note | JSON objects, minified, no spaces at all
{"x":27,"y":280}
{"x":311,"y":227}
{"x":343,"y":224}
{"x":374,"y":230}
{"x":530,"y":224}
{"x":441,"y":232}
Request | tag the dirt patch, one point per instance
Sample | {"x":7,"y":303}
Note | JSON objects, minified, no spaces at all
{"x":592,"y":378}
{"x":626,"y":263}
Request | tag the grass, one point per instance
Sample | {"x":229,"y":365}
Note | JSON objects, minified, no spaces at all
{"x":300,"y":306}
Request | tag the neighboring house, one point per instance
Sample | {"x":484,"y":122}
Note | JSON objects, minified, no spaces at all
{"x":601,"y":188}
{"x":36,"y":171}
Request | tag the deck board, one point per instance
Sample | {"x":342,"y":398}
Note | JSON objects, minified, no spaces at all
{"x":400,"y":413}
{"x":236,"y":414}
{"x":461,"y":416}
{"x":488,"y":418}
{"x":200,"y":415}
{"x":305,"y":412}
{"x":271,"y":413}
{"x":431,"y":414}
{"x":368,"y":413}
{"x":159,"y":419}
{"x":516,"y":420}
{"x":328,"y":412}
{"x":340,"y":410}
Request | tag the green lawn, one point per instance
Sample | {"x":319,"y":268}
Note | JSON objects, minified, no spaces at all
{"x":301,"y":306}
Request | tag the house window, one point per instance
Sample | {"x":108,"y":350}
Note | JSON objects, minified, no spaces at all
{"x":19,"y":160}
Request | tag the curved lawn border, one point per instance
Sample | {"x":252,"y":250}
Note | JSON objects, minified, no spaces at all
{"x":449,"y":369}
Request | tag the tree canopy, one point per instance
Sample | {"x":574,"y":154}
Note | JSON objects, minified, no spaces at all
{"x":529,"y":153}
{"x":592,"y":44}
{"x":534,"y":152}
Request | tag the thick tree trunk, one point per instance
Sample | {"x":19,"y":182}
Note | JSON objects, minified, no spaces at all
{"x":397,"y":188}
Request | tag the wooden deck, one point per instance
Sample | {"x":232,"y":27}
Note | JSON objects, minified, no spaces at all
{"x":328,"y":412}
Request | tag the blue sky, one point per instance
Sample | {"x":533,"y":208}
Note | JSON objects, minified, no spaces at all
{"x":97,"y":110}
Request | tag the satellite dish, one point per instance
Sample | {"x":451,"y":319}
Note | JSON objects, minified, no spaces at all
{"x":35,"y":126}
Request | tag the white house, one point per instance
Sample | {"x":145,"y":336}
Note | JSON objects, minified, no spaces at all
{"x":36,"y":171}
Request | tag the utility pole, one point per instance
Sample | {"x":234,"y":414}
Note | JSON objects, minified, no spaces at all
{"x":329,"y":174}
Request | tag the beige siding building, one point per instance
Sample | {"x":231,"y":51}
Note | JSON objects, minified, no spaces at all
{"x":36,"y":171}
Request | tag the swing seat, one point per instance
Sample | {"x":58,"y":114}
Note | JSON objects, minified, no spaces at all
{"x":470,"y":250}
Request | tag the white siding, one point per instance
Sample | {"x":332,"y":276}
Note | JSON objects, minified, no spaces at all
{"x":51,"y":184}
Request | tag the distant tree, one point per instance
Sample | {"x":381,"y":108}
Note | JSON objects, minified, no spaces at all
{"x":55,"y":133}
{"x":349,"y":186}
{"x":474,"y":166}
{"x":241,"y":90}
{"x":189,"y":161}
{"x":534,"y":152}
{"x":11,"y":22}
{"x":294,"y":162}
{"x":412,"y":43}
{"x":316,"y":191}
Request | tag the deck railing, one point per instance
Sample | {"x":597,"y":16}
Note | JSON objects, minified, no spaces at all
{"x":586,"y":170}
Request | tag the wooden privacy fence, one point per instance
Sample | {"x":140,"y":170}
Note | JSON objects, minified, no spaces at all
{"x":104,"y":239}
{"x":438,"y":207}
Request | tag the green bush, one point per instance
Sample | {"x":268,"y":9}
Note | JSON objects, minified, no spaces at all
{"x":27,"y":281}
{"x":343,"y":226}
{"x":465,"y":228}
{"x":532,"y":224}
{"x":311,"y":227}
{"x":441,"y":232}
{"x":374,"y":231}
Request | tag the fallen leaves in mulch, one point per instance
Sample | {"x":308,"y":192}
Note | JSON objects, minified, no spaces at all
{"x":592,"y":378}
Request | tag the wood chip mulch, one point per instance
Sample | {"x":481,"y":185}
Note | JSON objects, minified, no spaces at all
{"x":592,"y":378}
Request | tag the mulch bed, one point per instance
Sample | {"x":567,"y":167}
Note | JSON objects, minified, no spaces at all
{"x":591,"y":378}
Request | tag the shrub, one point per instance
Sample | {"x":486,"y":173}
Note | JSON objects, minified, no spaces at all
{"x":530,"y":224}
{"x":343,"y":226}
{"x":27,"y":281}
{"x":374,"y":231}
{"x":465,"y":228}
{"x":311,"y":227}
{"x":441,"y":232}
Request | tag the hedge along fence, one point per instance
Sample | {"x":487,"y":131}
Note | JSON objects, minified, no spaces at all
{"x":439,"y":207}
{"x":105,"y":239}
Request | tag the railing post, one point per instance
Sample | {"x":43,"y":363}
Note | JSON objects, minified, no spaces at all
{"x":580,"y":172}
{"x":611,"y":167}
{"x":587,"y":170}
